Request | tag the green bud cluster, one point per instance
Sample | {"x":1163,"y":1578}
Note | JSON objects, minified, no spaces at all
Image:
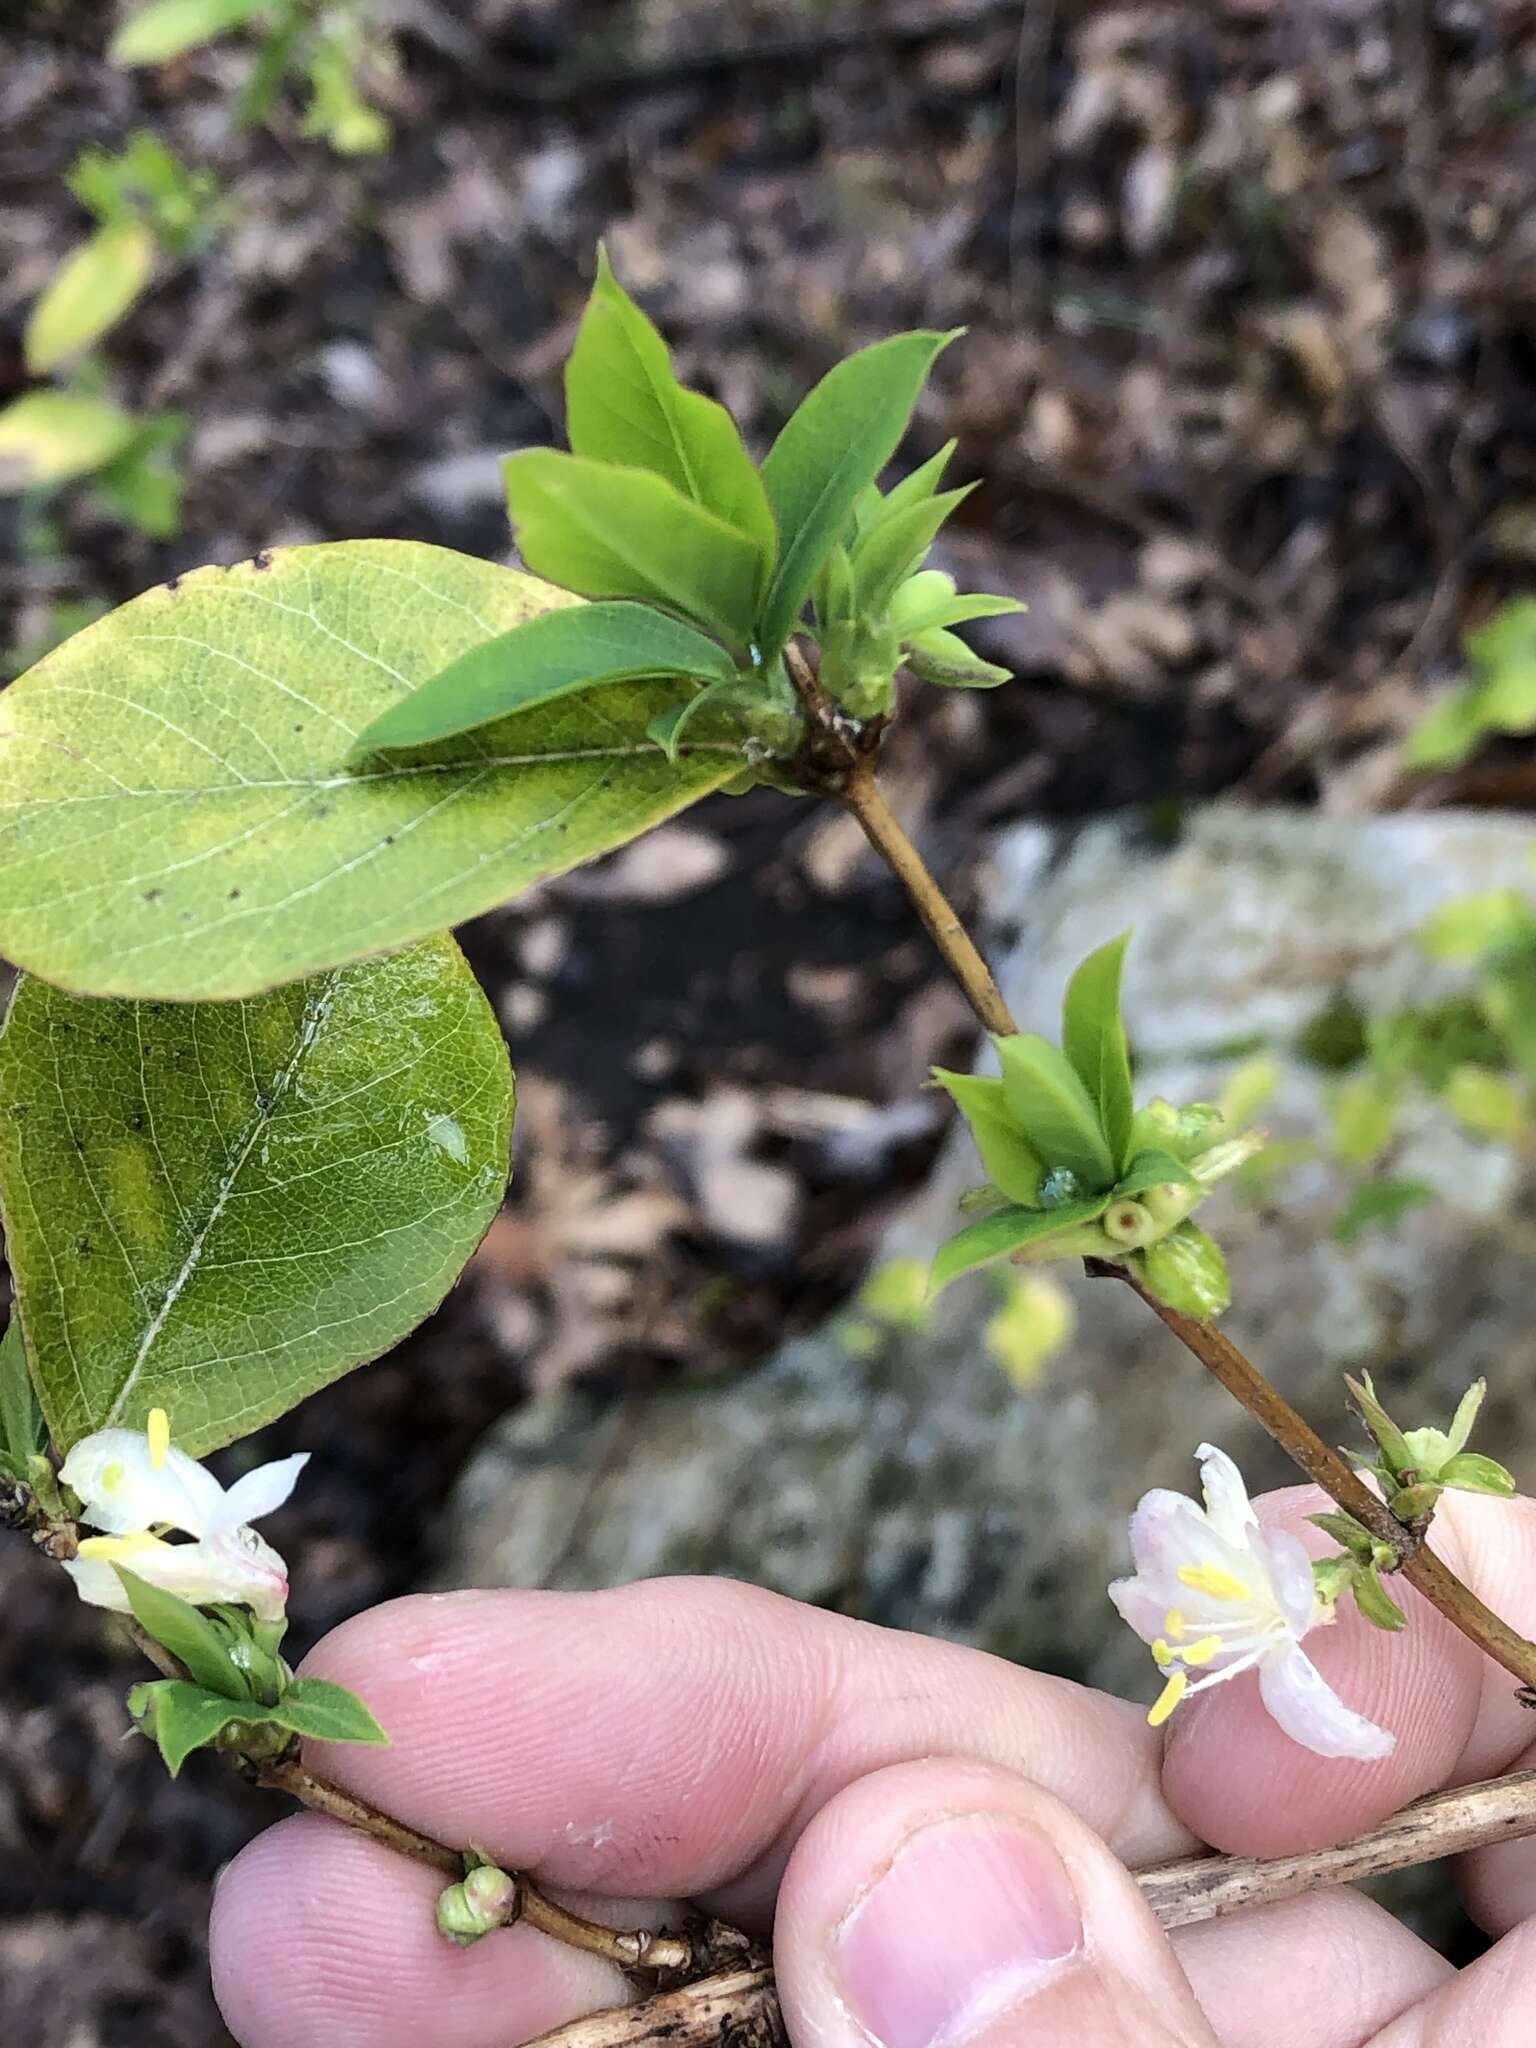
{"x":486,"y":1898}
{"x":1415,"y":1466}
{"x":1077,"y":1171}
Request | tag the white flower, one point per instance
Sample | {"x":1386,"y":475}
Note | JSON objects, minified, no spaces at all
{"x":1215,"y":1594}
{"x":135,"y":1485}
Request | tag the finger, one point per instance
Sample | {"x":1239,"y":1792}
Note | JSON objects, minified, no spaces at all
{"x":1335,"y":1964}
{"x":671,"y":1737}
{"x":1242,"y":1785}
{"x":322,"y":1939}
{"x":1491,"y":2004}
{"x":941,"y":1902}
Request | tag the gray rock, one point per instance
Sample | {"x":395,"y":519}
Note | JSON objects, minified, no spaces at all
{"x":916,"y":1487}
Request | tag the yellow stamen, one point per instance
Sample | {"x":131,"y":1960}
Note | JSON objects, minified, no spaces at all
{"x":1173,"y":1623}
{"x":1168,"y":1699}
{"x":1203,"y":1651}
{"x":158,"y":1430}
{"x":1162,"y":1654}
{"x":113,"y":1475}
{"x":111,"y":1548}
{"x":1211,"y":1579}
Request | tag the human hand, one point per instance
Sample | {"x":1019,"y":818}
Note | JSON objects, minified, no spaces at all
{"x":938,"y":1838}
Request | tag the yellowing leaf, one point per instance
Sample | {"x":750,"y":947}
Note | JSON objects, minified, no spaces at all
{"x":177,"y":818}
{"x":51,"y":437}
{"x":89,"y":293}
{"x":216,"y":1208}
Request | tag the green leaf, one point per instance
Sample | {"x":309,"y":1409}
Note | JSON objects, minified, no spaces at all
{"x":1053,"y":1110}
{"x":1489,"y":1103}
{"x":937,"y":656}
{"x":168,"y":28}
{"x":831,"y":449}
{"x":1389,"y":1439}
{"x":575,"y":648}
{"x":1093,"y":1039}
{"x":610,"y":532}
{"x":1503,"y":654}
{"x":1186,"y":1270}
{"x":959,"y":611}
{"x":1472,"y":927}
{"x":217,"y":1208}
{"x":1355,"y":1537}
{"x":180,"y":1717}
{"x":896,"y":545}
{"x":1010,"y":1230}
{"x":624,"y":404}
{"x":175,"y":820}
{"x":1471,"y":1472}
{"x":1364,"y":1115}
{"x":1448,"y":734}
{"x":1382,"y":1202}
{"x":191,"y":1638}
{"x":918,"y":483}
{"x":324,"y":1712}
{"x":89,"y":293}
{"x":1008,"y":1159}
{"x":668,"y":728}
{"x":1375,"y":1602}
{"x":23,"y":1433}
{"x":51,"y":437}
{"x":1154,"y":1170}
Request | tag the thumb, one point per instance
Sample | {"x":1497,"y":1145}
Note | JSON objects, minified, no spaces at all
{"x":938,"y":1903}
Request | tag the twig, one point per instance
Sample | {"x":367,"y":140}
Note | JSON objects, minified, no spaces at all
{"x":1215,"y":1351}
{"x":1181,"y":1894}
{"x":629,"y":1949}
{"x":1415,"y":1560}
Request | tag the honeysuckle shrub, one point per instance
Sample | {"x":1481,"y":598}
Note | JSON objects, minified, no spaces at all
{"x":255,"y":1113}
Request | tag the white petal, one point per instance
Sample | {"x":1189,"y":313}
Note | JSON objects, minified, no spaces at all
{"x":1143,"y":1606}
{"x":233,"y":1565}
{"x":1306,"y":1706}
{"x":260,"y":1492}
{"x":1226,"y":1497}
{"x":98,"y":1584}
{"x":1290,"y":1573}
{"x":124,"y":1491}
{"x":1168,"y":1532}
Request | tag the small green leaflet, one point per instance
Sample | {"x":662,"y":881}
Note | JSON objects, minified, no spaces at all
{"x":548,"y":657}
{"x":830,"y":451}
{"x":205,"y":839}
{"x":1186,"y":1271}
{"x":323,"y":1712}
{"x":1050,"y":1106}
{"x":1010,"y":1230}
{"x":168,"y":28}
{"x":89,"y":293}
{"x":937,"y":656}
{"x":895,"y":545}
{"x":192,"y":1639}
{"x":216,"y":1208}
{"x":624,"y":404}
{"x":23,"y":1432}
{"x":1093,"y":1038}
{"x":609,"y":532}
{"x":1009,"y":1161}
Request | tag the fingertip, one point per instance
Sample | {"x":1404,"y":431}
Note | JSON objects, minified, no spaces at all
{"x":320,"y":1936}
{"x":940,"y":1901}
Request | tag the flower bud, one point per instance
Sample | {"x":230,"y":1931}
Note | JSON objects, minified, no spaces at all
{"x":1130,"y":1224}
{"x":487,"y":1898}
{"x":1169,"y":1202}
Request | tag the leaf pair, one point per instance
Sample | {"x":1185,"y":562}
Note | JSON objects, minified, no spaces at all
{"x":181,"y":1717}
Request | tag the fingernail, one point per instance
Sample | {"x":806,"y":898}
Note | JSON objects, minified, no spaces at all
{"x":971,"y":1917}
